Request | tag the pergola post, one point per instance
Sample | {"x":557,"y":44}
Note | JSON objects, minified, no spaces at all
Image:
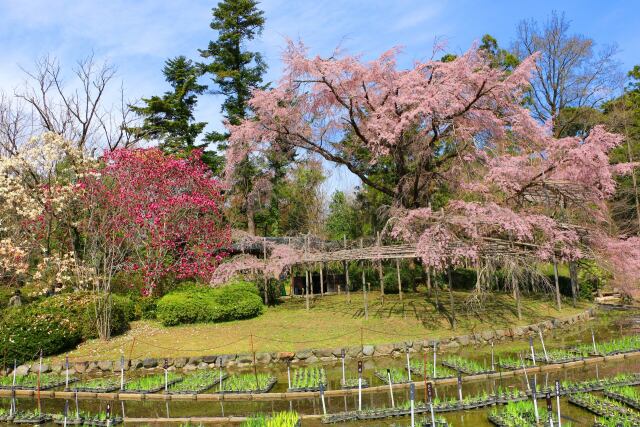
{"x":364,"y":294}
{"x":399,"y":280}
{"x":311,"y":281}
{"x":321,"y":279}
{"x":346,"y":271}
{"x":306,"y":291}
{"x":380,"y":268}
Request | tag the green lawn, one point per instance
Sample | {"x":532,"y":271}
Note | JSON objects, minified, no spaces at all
{"x":332,"y":322}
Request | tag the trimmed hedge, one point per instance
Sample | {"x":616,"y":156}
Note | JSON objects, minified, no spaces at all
{"x":56,"y":324}
{"x":192,"y":304}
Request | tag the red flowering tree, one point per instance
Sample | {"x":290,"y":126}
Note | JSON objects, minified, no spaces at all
{"x":453,"y":148}
{"x":154,"y":213}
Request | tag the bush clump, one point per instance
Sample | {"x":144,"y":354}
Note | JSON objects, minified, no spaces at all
{"x":192,"y":304}
{"x":56,"y":324}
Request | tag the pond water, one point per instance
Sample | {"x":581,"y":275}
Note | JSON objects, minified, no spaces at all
{"x":607,"y":324}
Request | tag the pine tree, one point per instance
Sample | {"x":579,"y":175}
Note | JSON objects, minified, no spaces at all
{"x":234,"y":70}
{"x":169,"y":118}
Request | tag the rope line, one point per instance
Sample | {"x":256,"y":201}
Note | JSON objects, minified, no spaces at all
{"x":307,"y":341}
{"x":195,"y":349}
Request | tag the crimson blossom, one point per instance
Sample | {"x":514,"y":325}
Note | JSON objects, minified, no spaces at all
{"x":161,"y":212}
{"x":453,"y":147}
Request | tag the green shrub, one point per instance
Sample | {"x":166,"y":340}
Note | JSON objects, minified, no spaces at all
{"x":202,"y":304}
{"x":56,"y":324}
{"x":26,"y":330}
{"x":145,"y":308}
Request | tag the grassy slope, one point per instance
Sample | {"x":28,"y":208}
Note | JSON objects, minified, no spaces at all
{"x":332,"y":322}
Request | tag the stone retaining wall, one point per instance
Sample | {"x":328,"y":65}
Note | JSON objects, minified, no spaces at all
{"x":310,"y":355}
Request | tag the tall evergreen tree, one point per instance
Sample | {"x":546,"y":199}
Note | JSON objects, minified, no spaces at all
{"x":234,"y":70}
{"x":170,"y":117}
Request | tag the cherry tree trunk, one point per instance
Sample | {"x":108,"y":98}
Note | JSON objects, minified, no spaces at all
{"x":557,"y":283}
{"x":573,"y":273}
{"x":451,"y":301}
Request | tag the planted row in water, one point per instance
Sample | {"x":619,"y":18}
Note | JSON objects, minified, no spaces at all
{"x":30,"y":381}
{"x":308,"y":379}
{"x":248,"y":383}
{"x":602,"y":406}
{"x":521,"y":414}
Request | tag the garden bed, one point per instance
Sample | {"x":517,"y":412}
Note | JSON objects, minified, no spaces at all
{"x":101,"y":420}
{"x":617,"y":420}
{"x":97,"y":385}
{"x":627,"y":395}
{"x":520,"y":414}
{"x":352,"y":383}
{"x":72,"y":420}
{"x":308,"y":379}
{"x":5,"y":416}
{"x":197,"y":382}
{"x":602,"y":406}
{"x":248,"y":383}
{"x":466,"y":366}
{"x":151,"y":383}
{"x":506,"y":395}
{"x":31,"y":417}
{"x":398,"y":375}
{"x":559,"y":356}
{"x":512,"y":363}
{"x":30,"y":382}
{"x":450,"y":405}
{"x":568,"y":387}
{"x":418,"y":368}
{"x":280,"y":419}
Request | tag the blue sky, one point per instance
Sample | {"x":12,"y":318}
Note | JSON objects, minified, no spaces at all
{"x":138,"y":35}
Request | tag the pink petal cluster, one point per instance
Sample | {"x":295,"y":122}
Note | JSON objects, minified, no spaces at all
{"x":162,"y":210}
{"x":465,"y":123}
{"x":279,"y":258}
